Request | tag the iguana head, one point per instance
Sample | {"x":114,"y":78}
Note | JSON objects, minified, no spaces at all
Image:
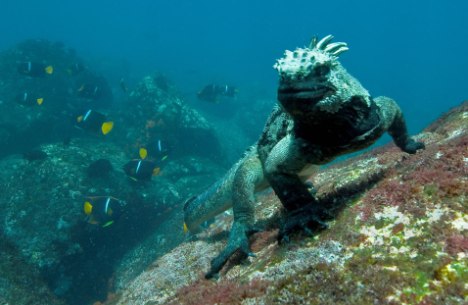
{"x":312,"y":76}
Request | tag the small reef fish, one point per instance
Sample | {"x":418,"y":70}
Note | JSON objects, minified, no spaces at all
{"x":213,"y":93}
{"x":89,"y":91}
{"x":75,"y":69}
{"x":94,"y":121}
{"x":103,"y":210}
{"x":29,"y":99}
{"x":154,"y":150}
{"x":143,"y":153}
{"x":34,"y":69}
{"x":141,"y":170}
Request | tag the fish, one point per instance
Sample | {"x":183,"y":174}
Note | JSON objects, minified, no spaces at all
{"x":29,"y":99}
{"x":141,"y":170}
{"x":89,"y":91}
{"x":213,"y":93}
{"x":103,"y":210}
{"x":75,"y":69}
{"x":94,"y":121}
{"x":34,"y":69}
{"x":143,"y":152}
{"x":155,"y":150}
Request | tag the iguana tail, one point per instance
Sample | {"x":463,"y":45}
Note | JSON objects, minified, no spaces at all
{"x":213,"y":201}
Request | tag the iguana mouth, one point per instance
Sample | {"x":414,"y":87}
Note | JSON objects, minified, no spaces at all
{"x":316,"y":92}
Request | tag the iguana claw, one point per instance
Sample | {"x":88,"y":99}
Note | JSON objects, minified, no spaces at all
{"x":238,"y":240}
{"x":412,"y":146}
{"x":309,"y":219}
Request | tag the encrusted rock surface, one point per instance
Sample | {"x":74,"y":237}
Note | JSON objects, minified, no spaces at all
{"x":21,"y":283}
{"x":41,"y":215}
{"x":398,"y":237}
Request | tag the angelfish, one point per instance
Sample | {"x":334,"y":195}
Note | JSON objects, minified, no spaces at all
{"x":141,"y":170}
{"x":34,"y":69}
{"x":103,"y":210}
{"x":94,"y":121}
{"x":29,"y":99}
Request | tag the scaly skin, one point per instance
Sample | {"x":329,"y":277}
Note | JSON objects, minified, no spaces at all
{"x":324,"y":112}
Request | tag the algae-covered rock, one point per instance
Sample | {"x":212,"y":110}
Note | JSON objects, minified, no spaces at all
{"x":398,"y":237}
{"x":44,"y":186}
{"x":42,"y":212}
{"x":20,"y":282}
{"x":42,"y":216}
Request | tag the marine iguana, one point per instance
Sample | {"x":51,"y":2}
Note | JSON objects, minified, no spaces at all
{"x":323,"y":112}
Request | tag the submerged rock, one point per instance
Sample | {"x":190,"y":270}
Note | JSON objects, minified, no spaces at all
{"x":398,"y":237}
{"x":99,"y":168}
{"x":20,"y":282}
{"x":35,"y":155}
{"x":37,"y":109}
{"x":42,"y":216}
{"x":156,"y":112}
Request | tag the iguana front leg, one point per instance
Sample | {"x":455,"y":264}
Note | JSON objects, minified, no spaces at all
{"x":247,"y":177}
{"x":394,"y":123}
{"x":286,"y":160}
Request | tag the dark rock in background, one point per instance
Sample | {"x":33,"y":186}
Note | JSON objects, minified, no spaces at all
{"x":100,"y":168}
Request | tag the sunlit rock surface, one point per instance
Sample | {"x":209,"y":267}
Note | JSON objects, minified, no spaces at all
{"x":399,"y":237}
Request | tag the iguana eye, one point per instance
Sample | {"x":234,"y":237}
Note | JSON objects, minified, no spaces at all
{"x":321,"y":70}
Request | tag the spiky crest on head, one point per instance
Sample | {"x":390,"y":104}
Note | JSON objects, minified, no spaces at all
{"x":302,"y":61}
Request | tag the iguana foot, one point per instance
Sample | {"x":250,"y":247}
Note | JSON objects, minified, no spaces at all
{"x":238,"y":240}
{"x":309,"y":219}
{"x":412,"y":146}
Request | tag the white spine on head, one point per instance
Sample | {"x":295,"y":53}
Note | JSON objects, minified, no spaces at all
{"x":298,"y":66}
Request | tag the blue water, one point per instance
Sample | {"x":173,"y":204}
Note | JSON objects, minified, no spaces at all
{"x":413,"y":51}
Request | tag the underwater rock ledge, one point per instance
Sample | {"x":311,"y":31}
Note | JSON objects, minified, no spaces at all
{"x":399,"y":237}
{"x":46,"y":242}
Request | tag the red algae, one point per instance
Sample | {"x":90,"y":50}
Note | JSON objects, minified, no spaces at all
{"x":398,"y":240}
